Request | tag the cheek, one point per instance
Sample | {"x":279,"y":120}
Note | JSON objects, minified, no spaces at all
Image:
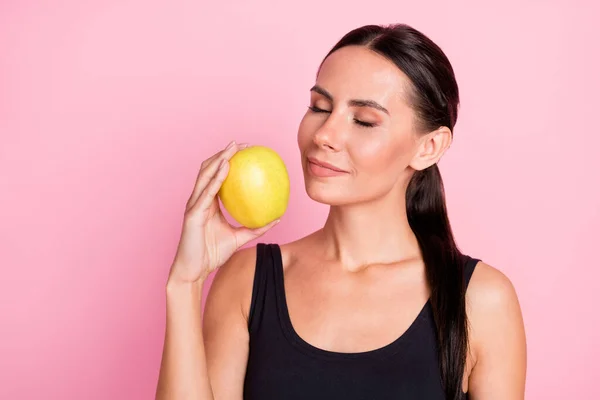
{"x":382,"y":163}
{"x":374,"y":157}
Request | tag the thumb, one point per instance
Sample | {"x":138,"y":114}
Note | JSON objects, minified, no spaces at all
{"x":244,"y":235}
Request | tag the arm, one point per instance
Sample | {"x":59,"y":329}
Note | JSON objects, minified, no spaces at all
{"x":183,"y":372}
{"x":207,"y":242}
{"x":207,"y":360}
{"x":497,"y":337}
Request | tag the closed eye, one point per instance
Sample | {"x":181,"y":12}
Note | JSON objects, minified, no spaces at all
{"x":365,"y":124}
{"x":317,"y":109}
{"x":357,"y":121}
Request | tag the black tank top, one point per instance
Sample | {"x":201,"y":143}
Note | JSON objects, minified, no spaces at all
{"x":282,"y":366}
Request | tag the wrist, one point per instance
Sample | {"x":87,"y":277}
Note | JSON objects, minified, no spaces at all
{"x":182,"y":274}
{"x":176,"y":286}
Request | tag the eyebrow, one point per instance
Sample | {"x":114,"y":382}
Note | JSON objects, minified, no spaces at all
{"x":354,"y":103}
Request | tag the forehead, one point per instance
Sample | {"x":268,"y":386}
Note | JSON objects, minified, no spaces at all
{"x":358,"y":72}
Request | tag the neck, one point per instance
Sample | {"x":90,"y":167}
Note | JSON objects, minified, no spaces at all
{"x":377,"y":232}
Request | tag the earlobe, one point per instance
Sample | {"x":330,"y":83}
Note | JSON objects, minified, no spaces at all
{"x":431,"y":147}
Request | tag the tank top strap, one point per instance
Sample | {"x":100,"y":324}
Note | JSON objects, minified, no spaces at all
{"x":469,"y":267}
{"x":263,"y":288}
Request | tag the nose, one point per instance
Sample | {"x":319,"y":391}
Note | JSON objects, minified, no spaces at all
{"x":329,"y":136}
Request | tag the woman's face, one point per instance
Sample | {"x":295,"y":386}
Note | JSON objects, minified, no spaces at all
{"x":360,"y":123}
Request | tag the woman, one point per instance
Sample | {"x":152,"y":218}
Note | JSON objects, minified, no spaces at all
{"x":379,"y":303}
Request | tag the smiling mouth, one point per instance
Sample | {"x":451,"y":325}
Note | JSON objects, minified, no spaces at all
{"x":322,"y":169}
{"x":324,"y":164}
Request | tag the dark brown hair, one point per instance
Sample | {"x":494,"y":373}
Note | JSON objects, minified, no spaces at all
{"x":435,"y":100}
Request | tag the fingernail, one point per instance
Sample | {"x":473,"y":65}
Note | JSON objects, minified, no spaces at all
{"x":231,"y":144}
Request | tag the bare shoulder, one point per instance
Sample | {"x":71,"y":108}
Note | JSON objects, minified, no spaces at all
{"x":231,"y":288}
{"x":234,"y":281}
{"x":490,"y":290}
{"x":492,"y":303}
{"x":497,"y":336}
{"x":225,"y":324}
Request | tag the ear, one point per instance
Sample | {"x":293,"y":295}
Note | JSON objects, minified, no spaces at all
{"x":431,"y":147}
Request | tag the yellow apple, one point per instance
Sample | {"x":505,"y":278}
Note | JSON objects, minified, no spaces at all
{"x":256,"y":190}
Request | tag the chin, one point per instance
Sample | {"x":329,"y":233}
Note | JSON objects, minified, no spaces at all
{"x":330,"y":193}
{"x":334,"y":192}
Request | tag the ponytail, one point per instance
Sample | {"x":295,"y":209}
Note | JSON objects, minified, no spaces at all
{"x":427,"y":216}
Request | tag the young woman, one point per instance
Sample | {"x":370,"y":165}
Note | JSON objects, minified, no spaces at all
{"x":378,"y":304}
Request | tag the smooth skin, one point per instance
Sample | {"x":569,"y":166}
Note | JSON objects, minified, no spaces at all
{"x":354,"y":285}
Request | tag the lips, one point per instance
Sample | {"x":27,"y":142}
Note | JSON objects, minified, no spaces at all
{"x":324,"y":164}
{"x":322,"y":169}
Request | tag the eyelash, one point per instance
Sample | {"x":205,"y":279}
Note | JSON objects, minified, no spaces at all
{"x":358,"y":122}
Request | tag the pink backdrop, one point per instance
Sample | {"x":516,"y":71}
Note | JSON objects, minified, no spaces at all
{"x":108,"y":107}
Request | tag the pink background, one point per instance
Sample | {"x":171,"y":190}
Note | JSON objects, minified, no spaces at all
{"x":107,"y":109}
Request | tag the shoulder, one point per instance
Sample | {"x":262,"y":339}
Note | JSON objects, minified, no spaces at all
{"x":231,"y":287}
{"x":225,"y":330}
{"x":490,"y":290}
{"x":491,"y":301}
{"x":497,"y":334}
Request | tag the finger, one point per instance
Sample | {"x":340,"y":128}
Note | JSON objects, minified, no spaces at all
{"x":209,"y":169}
{"x":209,"y":160}
{"x":212,"y":188}
{"x":218,"y":156}
{"x":244,"y":235}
